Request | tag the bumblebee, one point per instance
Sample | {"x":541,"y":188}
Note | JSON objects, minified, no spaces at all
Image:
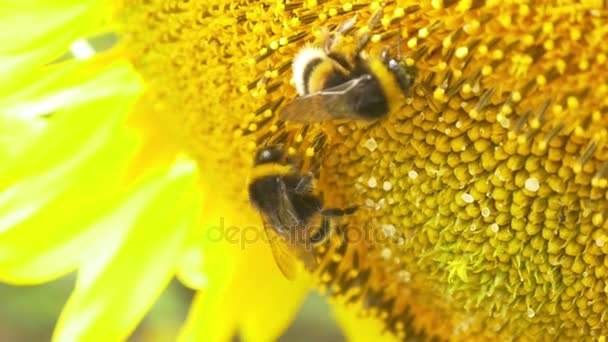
{"x":294,"y":218}
{"x":335,"y":84}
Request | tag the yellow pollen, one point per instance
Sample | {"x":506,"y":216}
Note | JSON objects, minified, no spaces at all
{"x":486,"y":70}
{"x":528,"y":40}
{"x":572,"y":102}
{"x":516,"y":96}
{"x":482,"y":50}
{"x":310,"y":152}
{"x":541,"y":80}
{"x":423,"y":32}
{"x":575,"y":34}
{"x":497,"y":54}
{"x":347,"y":7}
{"x":462,"y":52}
{"x":464,"y":5}
{"x":446,"y":42}
{"x":597,"y":219}
{"x":399,"y":12}
{"x":439,"y":94}
{"x":557,"y":109}
{"x":471,"y":27}
{"x":412,"y":42}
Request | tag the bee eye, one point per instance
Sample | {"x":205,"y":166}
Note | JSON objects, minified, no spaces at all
{"x":403,"y":73}
{"x":269,"y":155}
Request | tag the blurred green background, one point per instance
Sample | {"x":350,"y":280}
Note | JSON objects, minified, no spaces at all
{"x":29,"y":313}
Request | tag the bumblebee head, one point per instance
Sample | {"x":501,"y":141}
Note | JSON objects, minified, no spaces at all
{"x":269,"y":154}
{"x":404,"y":73}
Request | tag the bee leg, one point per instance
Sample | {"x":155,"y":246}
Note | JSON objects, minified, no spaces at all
{"x":373,"y":23}
{"x":304,"y":185}
{"x":330,"y":38}
{"x":335,"y":212}
{"x":321,"y":235}
{"x":347,"y":26}
{"x":341,"y":30}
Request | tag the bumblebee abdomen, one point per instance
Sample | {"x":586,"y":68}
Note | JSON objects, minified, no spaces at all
{"x":314,"y":71}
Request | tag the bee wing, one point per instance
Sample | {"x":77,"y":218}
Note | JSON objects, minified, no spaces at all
{"x":282,"y":253}
{"x":286,"y":213}
{"x":279,"y":233}
{"x":287,"y":238}
{"x":327,"y":104}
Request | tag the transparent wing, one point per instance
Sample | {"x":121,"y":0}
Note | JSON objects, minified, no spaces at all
{"x":282,"y":252}
{"x":328,"y":104}
{"x":286,"y":213}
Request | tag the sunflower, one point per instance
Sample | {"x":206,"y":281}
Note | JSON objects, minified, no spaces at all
{"x":482,"y":199}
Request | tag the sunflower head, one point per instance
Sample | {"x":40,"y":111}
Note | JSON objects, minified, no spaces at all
{"x":481,"y":194}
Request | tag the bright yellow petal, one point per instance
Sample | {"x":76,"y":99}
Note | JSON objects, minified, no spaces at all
{"x":55,"y":146}
{"x":134,"y":258}
{"x":15,"y":136}
{"x":210,"y":319}
{"x":246,"y":294}
{"x":38,"y":21}
{"x":46,"y":28}
{"x":70,"y":84}
{"x":56,"y":182}
{"x":65,"y":200}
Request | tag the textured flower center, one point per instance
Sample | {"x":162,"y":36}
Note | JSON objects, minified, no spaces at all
{"x":483,"y":198}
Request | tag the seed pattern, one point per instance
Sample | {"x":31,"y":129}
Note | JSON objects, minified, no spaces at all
{"x":497,"y":162}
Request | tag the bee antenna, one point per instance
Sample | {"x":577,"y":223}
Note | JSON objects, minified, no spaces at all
{"x":399,"y":38}
{"x":372,"y":24}
{"x":314,"y":168}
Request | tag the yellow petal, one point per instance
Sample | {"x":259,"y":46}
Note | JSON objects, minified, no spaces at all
{"x":246,"y":292}
{"x":39,"y":21}
{"x":15,"y":136}
{"x":56,"y":25}
{"x":71,"y":84}
{"x":71,"y":134}
{"x":133,"y":259}
{"x":65,"y":199}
